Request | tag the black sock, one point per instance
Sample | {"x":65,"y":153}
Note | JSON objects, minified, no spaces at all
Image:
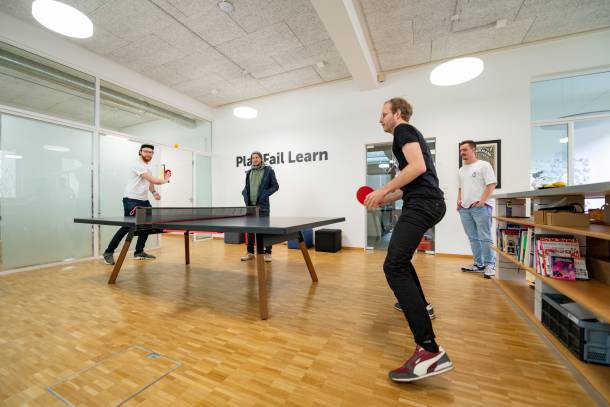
{"x":430,"y":345}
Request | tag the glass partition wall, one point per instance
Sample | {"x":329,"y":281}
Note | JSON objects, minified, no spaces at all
{"x":57,"y":164}
{"x":570,"y":129}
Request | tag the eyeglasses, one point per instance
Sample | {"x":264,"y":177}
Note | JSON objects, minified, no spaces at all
{"x":148,"y":151}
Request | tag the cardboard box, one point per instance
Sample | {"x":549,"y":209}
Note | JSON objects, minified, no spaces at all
{"x":511,"y":207}
{"x":599,"y":268}
{"x":568,"y":219}
{"x":539,"y":217}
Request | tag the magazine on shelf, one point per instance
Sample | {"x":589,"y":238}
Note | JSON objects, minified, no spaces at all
{"x":559,"y":245}
{"x":562,"y":267}
{"x":581,"y":269}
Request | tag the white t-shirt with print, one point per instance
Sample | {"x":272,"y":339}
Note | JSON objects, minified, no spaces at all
{"x":473,"y":178}
{"x":137,"y":187}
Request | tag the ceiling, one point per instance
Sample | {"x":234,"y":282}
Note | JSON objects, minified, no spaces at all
{"x":199,"y":50}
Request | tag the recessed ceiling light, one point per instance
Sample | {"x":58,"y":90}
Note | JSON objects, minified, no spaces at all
{"x":384,"y":165}
{"x":62,"y":19}
{"x":456,"y":71}
{"x":13,"y":156}
{"x":214,"y":92}
{"x":244,"y":112}
{"x":225,"y":6}
{"x":117,"y":137}
{"x":563,"y":140}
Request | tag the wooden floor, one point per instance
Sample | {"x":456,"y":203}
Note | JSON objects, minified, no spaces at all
{"x":330,"y":344}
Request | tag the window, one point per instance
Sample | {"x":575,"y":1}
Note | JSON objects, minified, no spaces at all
{"x":36,"y":84}
{"x":570,"y":136}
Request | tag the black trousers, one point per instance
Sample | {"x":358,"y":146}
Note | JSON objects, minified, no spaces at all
{"x":418,"y":215}
{"x":251,"y":236}
{"x":128,"y":205}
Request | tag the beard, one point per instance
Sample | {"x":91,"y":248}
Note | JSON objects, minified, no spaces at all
{"x":146,"y":159}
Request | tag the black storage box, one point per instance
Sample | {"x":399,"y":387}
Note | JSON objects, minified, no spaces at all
{"x":234,"y":237}
{"x":328,"y":240}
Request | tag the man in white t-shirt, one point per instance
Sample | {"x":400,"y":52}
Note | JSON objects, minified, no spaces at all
{"x":477,"y":182}
{"x":140,"y":183}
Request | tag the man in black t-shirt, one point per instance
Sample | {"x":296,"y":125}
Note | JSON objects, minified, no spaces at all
{"x":423,"y":207}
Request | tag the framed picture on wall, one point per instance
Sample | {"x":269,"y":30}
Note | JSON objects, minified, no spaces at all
{"x":490,"y":151}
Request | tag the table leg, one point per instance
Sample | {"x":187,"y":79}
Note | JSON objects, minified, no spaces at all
{"x":262,"y":277}
{"x":312,"y":270}
{"x":119,"y":261}
{"x":187,"y":252}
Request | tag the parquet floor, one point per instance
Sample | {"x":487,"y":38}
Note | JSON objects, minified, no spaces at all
{"x":329,"y":344}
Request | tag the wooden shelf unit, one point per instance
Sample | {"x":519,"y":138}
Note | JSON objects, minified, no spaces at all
{"x":592,"y":294}
{"x":596,"y":231}
{"x":523,"y":296}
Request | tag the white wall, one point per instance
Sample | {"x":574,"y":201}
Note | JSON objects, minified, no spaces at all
{"x":341,"y":119}
{"x":55,"y":47}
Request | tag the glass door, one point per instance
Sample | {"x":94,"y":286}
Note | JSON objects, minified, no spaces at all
{"x":381,"y":168}
{"x":117,"y":157}
{"x":45,"y":182}
{"x":203,"y":186}
{"x":427,"y":242}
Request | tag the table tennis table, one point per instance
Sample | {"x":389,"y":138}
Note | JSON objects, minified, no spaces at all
{"x":268,"y":231}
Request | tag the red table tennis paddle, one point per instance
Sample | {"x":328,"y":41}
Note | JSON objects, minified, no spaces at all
{"x":168,"y":172}
{"x":363,"y":192}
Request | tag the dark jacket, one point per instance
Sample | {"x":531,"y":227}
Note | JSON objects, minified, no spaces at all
{"x":268,"y":186}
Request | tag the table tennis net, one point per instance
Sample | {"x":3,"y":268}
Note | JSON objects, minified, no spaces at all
{"x":151,"y":216}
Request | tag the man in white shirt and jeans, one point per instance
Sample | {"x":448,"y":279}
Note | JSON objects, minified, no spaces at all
{"x":140,"y":183}
{"x":477,"y":182}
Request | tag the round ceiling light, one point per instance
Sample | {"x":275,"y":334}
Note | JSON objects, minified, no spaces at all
{"x":456,"y":71}
{"x":244,"y":112}
{"x":62,"y":19}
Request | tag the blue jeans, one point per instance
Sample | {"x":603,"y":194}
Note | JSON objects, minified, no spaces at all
{"x":477,"y":225}
{"x":128,"y":205}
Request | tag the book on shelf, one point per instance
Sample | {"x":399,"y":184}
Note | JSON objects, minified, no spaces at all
{"x":525,"y":245}
{"x":515,"y":240}
{"x":510,"y":239}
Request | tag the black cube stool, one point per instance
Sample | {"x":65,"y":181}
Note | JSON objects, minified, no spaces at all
{"x":328,"y":240}
{"x":235,"y":237}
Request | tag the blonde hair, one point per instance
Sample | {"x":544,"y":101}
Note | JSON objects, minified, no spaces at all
{"x":396,"y":104}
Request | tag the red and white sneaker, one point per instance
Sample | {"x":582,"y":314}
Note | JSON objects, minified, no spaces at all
{"x":422,"y":364}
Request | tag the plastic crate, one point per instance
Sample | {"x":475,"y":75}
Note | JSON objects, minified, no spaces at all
{"x":588,"y":339}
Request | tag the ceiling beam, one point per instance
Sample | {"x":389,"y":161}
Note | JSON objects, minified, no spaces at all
{"x":347,"y":31}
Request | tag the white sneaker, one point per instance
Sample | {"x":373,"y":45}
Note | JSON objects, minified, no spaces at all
{"x":247,"y":257}
{"x":268,"y":258}
{"x":490,"y":271}
{"x":472,"y":268}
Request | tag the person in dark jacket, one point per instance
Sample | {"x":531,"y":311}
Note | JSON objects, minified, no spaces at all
{"x":260,"y":185}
